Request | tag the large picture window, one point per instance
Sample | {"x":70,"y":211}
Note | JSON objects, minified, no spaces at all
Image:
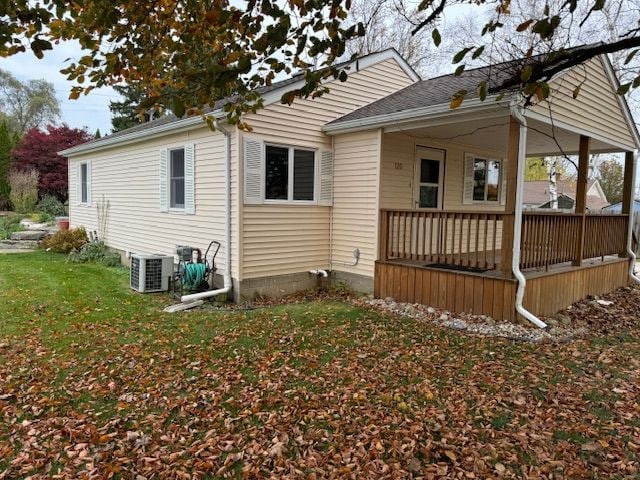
{"x":486,"y":180}
{"x":176,"y":177}
{"x":289,"y":174}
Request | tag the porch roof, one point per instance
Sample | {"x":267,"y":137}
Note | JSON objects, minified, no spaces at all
{"x":427,"y":104}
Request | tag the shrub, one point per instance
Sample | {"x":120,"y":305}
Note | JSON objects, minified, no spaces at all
{"x":50,"y":205}
{"x":24,"y":190}
{"x":65,"y":241}
{"x":9,"y":224}
{"x":41,"y":217}
{"x":95,"y":252}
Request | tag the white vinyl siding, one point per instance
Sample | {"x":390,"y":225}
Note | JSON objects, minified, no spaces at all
{"x":136,"y":224}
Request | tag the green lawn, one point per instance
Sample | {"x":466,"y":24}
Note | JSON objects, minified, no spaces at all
{"x":96,"y":382}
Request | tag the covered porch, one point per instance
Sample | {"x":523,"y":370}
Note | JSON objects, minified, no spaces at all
{"x":450,"y":219}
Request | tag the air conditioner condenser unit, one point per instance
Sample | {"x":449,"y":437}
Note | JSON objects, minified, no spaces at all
{"x":150,"y":273}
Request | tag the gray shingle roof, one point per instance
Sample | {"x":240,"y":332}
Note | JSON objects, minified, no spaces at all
{"x":436,"y":91}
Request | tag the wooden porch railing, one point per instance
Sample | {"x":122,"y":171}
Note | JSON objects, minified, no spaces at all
{"x":605,"y":235}
{"x":473,"y":239}
{"x":459,"y":238}
{"x":550,"y":238}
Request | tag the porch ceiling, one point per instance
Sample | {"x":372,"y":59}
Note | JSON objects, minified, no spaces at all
{"x":492,"y":134}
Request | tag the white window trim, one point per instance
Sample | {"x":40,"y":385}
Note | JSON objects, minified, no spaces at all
{"x":88,"y":203}
{"x":183,"y":209}
{"x":290,"y":160}
{"x":486,"y":184}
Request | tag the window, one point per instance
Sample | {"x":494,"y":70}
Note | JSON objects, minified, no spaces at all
{"x":429,"y":177}
{"x":176,"y":178}
{"x":289,"y":174}
{"x":84,"y":183}
{"x":486,"y":180}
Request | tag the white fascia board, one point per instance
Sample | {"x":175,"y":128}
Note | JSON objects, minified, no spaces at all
{"x":415,"y":114}
{"x":179,"y":125}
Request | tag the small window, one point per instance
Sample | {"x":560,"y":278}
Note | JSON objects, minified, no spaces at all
{"x":84,"y":183}
{"x":486,"y":180}
{"x":289,"y":174}
{"x":176,"y":182}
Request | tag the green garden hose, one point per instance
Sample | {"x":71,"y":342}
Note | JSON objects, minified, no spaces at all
{"x":194,"y":274}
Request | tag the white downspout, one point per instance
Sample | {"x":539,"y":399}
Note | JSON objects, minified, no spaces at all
{"x":227,"y":226}
{"x":632,"y":254}
{"x":517,"y":228}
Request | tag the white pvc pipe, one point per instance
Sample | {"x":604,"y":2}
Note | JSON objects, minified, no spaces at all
{"x":227,"y":226}
{"x":517,"y":228}
{"x":630,"y":252}
{"x":319,"y":272}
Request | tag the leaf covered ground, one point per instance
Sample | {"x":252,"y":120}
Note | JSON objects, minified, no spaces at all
{"x":96,"y":382}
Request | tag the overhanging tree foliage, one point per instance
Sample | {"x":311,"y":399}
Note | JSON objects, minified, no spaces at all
{"x":188,"y":54}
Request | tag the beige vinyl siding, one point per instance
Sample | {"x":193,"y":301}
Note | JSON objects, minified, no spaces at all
{"x":596,"y":110}
{"x":398,"y":171}
{"x":355,"y":201}
{"x":128,"y":177}
{"x":283,"y":239}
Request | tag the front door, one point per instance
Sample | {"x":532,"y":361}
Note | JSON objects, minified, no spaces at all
{"x":429,"y":177}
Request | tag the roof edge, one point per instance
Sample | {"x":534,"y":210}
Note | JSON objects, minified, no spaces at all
{"x":184,"y":123}
{"x":269,"y":98}
{"x":432,"y":111}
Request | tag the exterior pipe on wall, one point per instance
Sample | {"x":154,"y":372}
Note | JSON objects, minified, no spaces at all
{"x":632,"y":255}
{"x":517,"y":229}
{"x":319,"y":273}
{"x":227,"y":226}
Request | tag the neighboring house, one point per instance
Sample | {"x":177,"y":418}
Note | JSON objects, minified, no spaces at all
{"x":617,"y":207}
{"x":379,"y":183}
{"x":536,"y":195}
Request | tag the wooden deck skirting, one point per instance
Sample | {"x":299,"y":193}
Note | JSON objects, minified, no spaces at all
{"x":546,"y":292}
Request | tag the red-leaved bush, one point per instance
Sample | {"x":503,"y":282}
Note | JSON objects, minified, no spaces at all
{"x":38,"y":150}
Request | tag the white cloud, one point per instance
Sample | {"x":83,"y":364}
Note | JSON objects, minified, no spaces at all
{"x":90,"y":111}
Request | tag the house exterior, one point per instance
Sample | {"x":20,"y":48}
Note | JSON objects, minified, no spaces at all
{"x":536,"y":195}
{"x":379,"y":183}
